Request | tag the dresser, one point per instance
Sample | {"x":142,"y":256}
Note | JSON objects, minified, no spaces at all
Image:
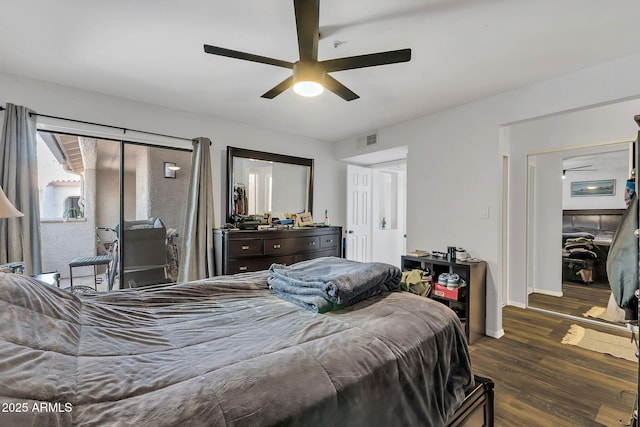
{"x":239,"y":251}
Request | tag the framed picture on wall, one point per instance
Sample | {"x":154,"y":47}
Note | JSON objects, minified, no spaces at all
{"x":603,"y":187}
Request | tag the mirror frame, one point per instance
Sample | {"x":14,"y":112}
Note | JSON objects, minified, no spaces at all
{"x":233,"y":152}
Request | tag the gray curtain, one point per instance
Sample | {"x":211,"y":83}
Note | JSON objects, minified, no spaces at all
{"x":197,"y":245}
{"x":20,"y":237}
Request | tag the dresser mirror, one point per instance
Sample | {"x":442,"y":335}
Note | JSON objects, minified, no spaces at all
{"x":260,"y":182}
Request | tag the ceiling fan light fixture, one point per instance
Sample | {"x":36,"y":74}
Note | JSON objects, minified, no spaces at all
{"x":308,"y":88}
{"x":308,"y":79}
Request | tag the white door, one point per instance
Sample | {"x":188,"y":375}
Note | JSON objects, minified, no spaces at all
{"x":358,"y":241}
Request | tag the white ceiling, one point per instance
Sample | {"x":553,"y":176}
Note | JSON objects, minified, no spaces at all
{"x":462,"y":50}
{"x":380,"y":156}
{"x":598,"y":158}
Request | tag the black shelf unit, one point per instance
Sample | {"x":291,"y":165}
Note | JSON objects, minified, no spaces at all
{"x":471,"y":306}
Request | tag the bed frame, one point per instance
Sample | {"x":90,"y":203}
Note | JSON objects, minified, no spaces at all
{"x":477,"y":409}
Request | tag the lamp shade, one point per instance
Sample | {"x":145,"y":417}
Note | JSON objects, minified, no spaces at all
{"x":7,"y":210}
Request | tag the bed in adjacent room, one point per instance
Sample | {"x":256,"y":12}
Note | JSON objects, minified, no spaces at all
{"x":226,"y":351}
{"x":586,"y":238}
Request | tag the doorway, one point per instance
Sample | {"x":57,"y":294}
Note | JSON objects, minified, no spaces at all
{"x":376,"y":215}
{"x":576,"y":198}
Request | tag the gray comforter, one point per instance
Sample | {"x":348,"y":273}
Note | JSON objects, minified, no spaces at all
{"x":224,"y":352}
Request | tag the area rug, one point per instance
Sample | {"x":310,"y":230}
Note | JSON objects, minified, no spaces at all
{"x":611,"y":313}
{"x":601,"y":342}
{"x":596,"y":312}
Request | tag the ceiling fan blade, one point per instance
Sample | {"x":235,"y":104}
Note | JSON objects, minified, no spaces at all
{"x":279,"y":88}
{"x":214,"y":50}
{"x":369,"y":60}
{"x":339,"y":89}
{"x":579,"y":167}
{"x":308,"y":26}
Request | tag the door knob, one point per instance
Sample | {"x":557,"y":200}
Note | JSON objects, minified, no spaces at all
{"x":350,"y":231}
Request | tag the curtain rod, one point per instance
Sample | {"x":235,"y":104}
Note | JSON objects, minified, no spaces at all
{"x":123,"y":129}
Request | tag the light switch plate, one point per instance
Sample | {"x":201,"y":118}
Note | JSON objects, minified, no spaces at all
{"x":484,"y":214}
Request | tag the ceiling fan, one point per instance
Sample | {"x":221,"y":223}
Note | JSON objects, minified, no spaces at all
{"x":580,"y":169}
{"x":310,"y":76}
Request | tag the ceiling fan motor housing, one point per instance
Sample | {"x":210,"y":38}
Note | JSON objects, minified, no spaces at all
{"x":304,"y":71}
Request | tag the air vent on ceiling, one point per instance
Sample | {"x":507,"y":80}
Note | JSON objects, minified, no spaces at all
{"x":372,"y":139}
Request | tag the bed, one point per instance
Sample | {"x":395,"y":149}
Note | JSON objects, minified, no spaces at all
{"x":227,"y":351}
{"x":586,"y":238}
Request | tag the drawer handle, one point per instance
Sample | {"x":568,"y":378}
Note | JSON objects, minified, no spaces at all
{"x":243,"y":268}
{"x":276,"y":246}
{"x":329,"y":240}
{"x":312,"y":243}
{"x":245,"y":247}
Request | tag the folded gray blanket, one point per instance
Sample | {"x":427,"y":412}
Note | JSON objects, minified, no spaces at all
{"x":330,"y":283}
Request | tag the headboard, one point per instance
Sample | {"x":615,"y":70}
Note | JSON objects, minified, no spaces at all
{"x":591,"y":219}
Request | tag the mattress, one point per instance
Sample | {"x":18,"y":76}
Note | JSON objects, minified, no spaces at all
{"x":224,"y":352}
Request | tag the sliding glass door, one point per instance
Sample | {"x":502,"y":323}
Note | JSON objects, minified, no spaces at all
{"x":101,"y":197}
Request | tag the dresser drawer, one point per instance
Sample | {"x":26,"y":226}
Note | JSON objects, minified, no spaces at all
{"x":256,"y":264}
{"x":329,"y":241}
{"x":316,"y":254}
{"x":307,"y":243}
{"x":245,"y":247}
{"x":290,"y":246}
{"x":238,"y":251}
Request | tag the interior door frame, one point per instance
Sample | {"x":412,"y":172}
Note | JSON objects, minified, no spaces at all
{"x":530,"y":233}
{"x":505,"y":224}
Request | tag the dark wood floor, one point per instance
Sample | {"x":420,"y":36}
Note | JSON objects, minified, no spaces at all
{"x":541,"y":382}
{"x":576,"y":299}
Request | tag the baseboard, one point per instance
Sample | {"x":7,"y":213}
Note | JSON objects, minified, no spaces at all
{"x":517,"y":304}
{"x":495,"y":334}
{"x":550,"y":293}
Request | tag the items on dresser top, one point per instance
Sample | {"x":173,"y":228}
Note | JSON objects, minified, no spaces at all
{"x":453,"y":253}
{"x":238,"y":251}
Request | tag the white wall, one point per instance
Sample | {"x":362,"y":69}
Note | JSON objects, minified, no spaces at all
{"x":616,"y":201}
{"x":52,"y":199}
{"x":88,"y":106}
{"x":546,"y":220}
{"x":455,"y":158}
